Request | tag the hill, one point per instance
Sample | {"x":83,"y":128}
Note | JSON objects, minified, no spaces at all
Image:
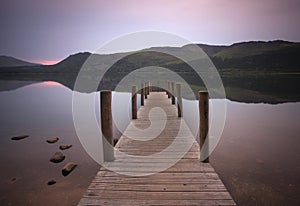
{"x":259,"y":56}
{"x":6,"y":61}
{"x":278,"y":56}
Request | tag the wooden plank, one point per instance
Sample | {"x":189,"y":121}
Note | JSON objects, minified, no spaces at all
{"x":144,"y":167}
{"x":159,"y":181}
{"x":187,"y":182}
{"x":164,"y":175}
{"x":158,"y":187}
{"x":147,"y":195}
{"x":158,"y":202}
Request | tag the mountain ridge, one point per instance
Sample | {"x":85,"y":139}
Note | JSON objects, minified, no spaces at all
{"x":253,"y":55}
{"x":8,"y":61}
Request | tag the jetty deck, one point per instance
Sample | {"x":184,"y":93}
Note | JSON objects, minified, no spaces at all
{"x":187,"y":182}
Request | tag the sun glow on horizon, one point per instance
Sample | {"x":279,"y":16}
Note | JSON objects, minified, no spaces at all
{"x":47,"y":62}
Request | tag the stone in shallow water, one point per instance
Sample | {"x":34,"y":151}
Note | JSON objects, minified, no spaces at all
{"x":65,"y":146}
{"x":51,"y":182}
{"x":19,"y":137}
{"x":68,"y":168}
{"x":52,"y":140}
{"x":13,"y":180}
{"x":57,"y":157}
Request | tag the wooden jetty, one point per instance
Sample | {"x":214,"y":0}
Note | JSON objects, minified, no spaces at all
{"x":188,"y":182}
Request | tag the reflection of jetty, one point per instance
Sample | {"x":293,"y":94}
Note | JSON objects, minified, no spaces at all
{"x":165,"y":169}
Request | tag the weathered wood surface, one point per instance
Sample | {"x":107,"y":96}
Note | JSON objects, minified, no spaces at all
{"x":188,"y":182}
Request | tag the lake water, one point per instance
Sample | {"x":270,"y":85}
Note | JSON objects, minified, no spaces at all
{"x":258,"y":156}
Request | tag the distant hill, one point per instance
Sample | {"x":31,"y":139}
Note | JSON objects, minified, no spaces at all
{"x":72,"y":63}
{"x":6,"y":61}
{"x":278,"y":56}
{"x":263,"y":56}
{"x":246,"y":56}
{"x":251,"y":48}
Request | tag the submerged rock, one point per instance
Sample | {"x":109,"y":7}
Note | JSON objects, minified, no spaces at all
{"x":65,"y":146}
{"x":13,"y":180}
{"x":51,"y":182}
{"x":19,"y":137}
{"x":68,"y":168}
{"x":52,"y":140}
{"x":57,"y":157}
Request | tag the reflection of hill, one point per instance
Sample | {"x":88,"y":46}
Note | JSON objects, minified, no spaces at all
{"x":245,"y":88}
{"x":268,"y":88}
{"x":7,"y":85}
{"x":16,"y":81}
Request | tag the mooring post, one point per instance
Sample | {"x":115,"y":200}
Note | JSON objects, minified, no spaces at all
{"x":173,"y":93}
{"x":142,"y":94}
{"x":148,"y":86}
{"x":179,"y":100}
{"x":169,"y":88}
{"x":106,"y":126}
{"x":204,"y":118}
{"x":146,"y":90}
{"x":150,"y":89}
{"x":166,"y":88}
{"x":134,"y":103}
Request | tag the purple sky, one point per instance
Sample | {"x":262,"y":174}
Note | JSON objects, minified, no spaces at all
{"x":41,"y":31}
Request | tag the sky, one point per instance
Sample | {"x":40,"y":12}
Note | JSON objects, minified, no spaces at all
{"x":46,"y":31}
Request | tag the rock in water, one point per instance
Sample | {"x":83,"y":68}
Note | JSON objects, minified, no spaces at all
{"x":51,"y":182}
{"x":57,"y":157}
{"x":65,"y":146}
{"x":52,"y":140}
{"x":13,"y":180}
{"x":19,"y":137}
{"x":69,"y":167}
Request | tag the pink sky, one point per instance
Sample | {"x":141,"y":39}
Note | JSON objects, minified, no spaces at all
{"x":47,"y":62}
{"x":52,"y":30}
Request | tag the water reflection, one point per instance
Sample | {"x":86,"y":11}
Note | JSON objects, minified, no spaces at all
{"x":40,"y":111}
{"x":258,"y":155}
{"x":257,"y":158}
{"x":250,"y":88}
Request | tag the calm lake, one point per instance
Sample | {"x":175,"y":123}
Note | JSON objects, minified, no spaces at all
{"x":257,"y":158}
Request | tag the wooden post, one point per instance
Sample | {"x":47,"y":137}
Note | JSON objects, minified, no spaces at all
{"x":179,"y":100}
{"x":204,"y":117}
{"x":173,"y":93}
{"x":133,"y":103}
{"x":146,"y":90}
{"x":150,"y":89}
{"x":106,"y":125}
{"x":166,"y":88}
{"x":142,"y":94}
{"x":169,"y":94}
